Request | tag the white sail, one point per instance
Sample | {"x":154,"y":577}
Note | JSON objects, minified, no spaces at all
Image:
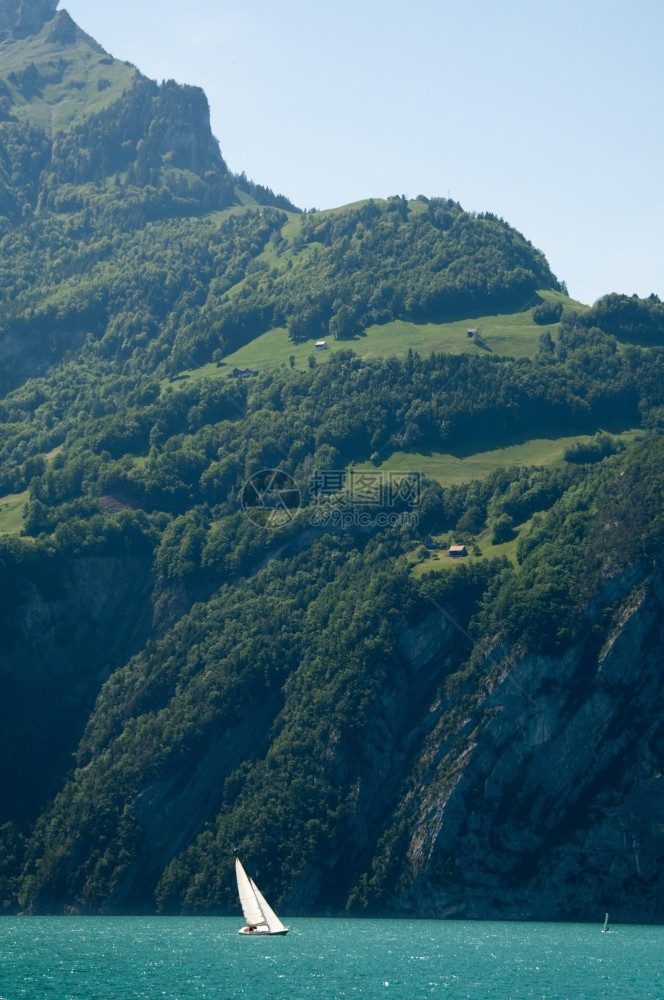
{"x":248,"y":901}
{"x":271,"y":918}
{"x":260,"y":917}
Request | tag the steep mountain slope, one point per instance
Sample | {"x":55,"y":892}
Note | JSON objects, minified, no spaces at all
{"x":26,"y":17}
{"x":331,"y":719}
{"x":212,"y":634}
{"x":96,"y":121}
{"x":90,"y":151}
{"x":546,"y":802}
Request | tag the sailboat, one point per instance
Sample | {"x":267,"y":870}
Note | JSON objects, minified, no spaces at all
{"x":606,"y":927}
{"x":260,"y":917}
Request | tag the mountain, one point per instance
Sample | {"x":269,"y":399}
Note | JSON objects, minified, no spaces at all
{"x":57,"y":128}
{"x":26,"y":17}
{"x":88,"y":146}
{"x":239,"y":443}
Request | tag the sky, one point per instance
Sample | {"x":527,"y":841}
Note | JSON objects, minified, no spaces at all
{"x":548,"y":114}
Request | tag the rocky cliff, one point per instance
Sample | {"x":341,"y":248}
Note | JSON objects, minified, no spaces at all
{"x":546,"y":801}
{"x":535,"y":795}
{"x":19,"y":18}
{"x":82,"y":132}
{"x":520,"y":786}
{"x":63,"y":629}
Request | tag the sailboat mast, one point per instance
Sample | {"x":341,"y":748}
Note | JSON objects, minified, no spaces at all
{"x":260,"y":917}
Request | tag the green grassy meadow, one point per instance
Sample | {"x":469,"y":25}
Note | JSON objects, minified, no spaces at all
{"x":513,"y":335}
{"x":449,"y":468}
{"x":11,"y":513}
{"x":77,"y":72}
{"x":506,"y":335}
{"x":437,"y":560}
{"x":13,"y":504}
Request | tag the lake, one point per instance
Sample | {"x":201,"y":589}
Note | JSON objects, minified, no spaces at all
{"x":203,"y":958}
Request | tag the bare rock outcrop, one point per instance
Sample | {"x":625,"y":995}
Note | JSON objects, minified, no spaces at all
{"x":20,"y":18}
{"x":546,"y":800}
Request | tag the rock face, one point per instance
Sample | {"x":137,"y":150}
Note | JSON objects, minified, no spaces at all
{"x":546,"y":802}
{"x":61,"y":637}
{"x":536,"y":794}
{"x":25,"y":17}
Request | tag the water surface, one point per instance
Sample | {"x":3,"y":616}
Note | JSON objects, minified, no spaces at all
{"x":131,"y":958}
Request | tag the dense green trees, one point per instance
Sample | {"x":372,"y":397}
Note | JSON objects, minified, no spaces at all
{"x":197,"y":442}
{"x":629,"y":318}
{"x":313,"y":648}
{"x":547,"y":312}
{"x":382,"y":262}
{"x":213,"y":675}
{"x":309,"y":639}
{"x":113,"y":266}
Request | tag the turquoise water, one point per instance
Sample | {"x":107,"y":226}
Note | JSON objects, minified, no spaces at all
{"x":96,"y":958}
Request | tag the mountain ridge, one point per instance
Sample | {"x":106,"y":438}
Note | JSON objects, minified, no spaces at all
{"x":20,"y":18}
{"x":196,"y":661}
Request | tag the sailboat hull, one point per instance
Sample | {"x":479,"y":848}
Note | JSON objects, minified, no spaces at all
{"x":263,"y":932}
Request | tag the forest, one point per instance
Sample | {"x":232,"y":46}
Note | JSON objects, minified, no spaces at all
{"x":320,"y":687}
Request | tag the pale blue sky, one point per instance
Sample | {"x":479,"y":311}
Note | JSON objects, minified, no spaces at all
{"x":549,"y":115}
